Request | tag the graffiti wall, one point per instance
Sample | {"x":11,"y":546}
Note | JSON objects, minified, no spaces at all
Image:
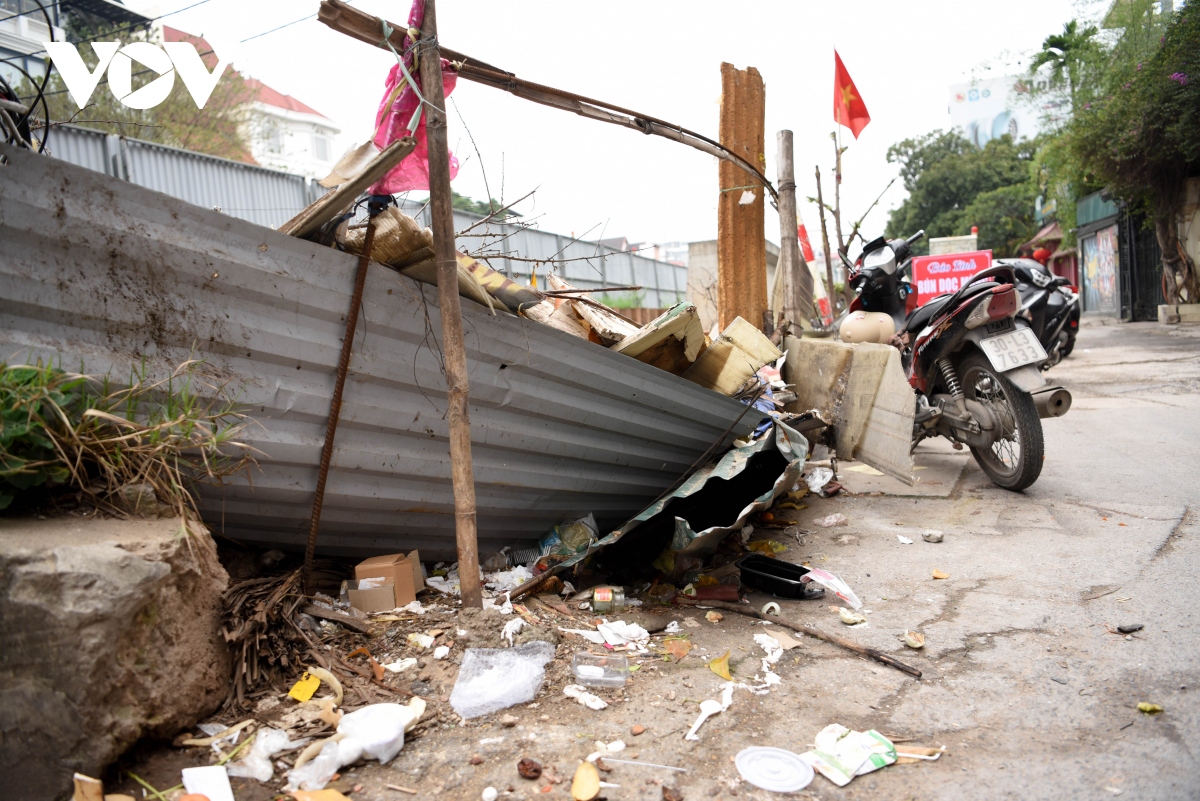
{"x":1100,"y":271}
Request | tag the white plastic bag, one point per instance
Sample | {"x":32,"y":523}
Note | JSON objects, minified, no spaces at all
{"x":257,"y":763}
{"x":840,"y":588}
{"x":317,"y":772}
{"x":832,"y":520}
{"x":818,"y":478}
{"x":378,"y":728}
{"x":492,"y":679}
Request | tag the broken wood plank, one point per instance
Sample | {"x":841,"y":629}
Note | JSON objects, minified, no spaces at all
{"x":733,"y":358}
{"x":335,"y":616}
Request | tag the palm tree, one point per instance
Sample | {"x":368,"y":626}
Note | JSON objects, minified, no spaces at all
{"x":1068,"y":54}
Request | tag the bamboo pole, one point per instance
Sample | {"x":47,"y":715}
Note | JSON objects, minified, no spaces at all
{"x":797,"y":283}
{"x":828,"y":254}
{"x":453,"y":349}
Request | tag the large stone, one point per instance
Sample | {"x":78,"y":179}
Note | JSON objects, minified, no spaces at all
{"x":109,"y":632}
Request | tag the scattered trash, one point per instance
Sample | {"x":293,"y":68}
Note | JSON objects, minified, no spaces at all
{"x":773,"y":769}
{"x":937,"y":574}
{"x":87,"y":788}
{"x":677,"y":647}
{"x":708,"y":708}
{"x":401,"y":665}
{"x":442,"y":651}
{"x":304,"y":689}
{"x":771,"y":608}
{"x":529,"y":769}
{"x":720,"y":666}
{"x":713,"y":617}
{"x":818,"y":478}
{"x":644,"y":764}
{"x":933,"y":536}
{"x":491,"y":679}
{"x":375,"y":732}
{"x":257,"y":763}
{"x":1149,"y":709}
{"x":222,"y":733}
{"x":420,"y":641}
{"x":211,"y":781}
{"x":828,"y":580}
{"x":914,"y":639}
{"x":586,"y":784}
{"x":1131,"y":628}
{"x":841,"y":754}
{"x":581,"y":695}
{"x":851,"y":618}
{"x":904,"y":540}
{"x":599,"y":671}
{"x":672,"y":628}
{"x":608,"y":600}
{"x":621,"y":633}
{"x":777,"y":577}
{"x":785,"y":641}
{"x":511,"y":628}
{"x":489,"y":794}
{"x":831,"y":521}
{"x":570,"y":537}
{"x":774,"y":651}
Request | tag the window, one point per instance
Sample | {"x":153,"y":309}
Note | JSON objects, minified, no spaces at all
{"x":320,"y":147}
{"x":274,"y":139}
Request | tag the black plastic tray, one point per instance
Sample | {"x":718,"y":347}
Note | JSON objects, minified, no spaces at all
{"x":777,"y":577}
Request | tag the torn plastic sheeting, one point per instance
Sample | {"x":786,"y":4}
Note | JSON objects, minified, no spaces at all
{"x":789,"y":444}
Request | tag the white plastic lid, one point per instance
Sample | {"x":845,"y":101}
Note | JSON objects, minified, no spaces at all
{"x":773,"y":769}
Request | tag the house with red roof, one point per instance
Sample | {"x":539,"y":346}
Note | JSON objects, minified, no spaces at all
{"x":282,"y":132}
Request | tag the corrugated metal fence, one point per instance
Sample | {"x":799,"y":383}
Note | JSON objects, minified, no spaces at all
{"x":249,"y":192}
{"x":271,"y":197}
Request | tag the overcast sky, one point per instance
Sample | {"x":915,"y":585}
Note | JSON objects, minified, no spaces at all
{"x":661,"y":58}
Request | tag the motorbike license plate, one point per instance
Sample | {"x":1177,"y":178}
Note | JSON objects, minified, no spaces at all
{"x":1009,"y":351}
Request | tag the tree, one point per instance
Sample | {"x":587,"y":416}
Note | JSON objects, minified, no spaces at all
{"x":217,"y":129}
{"x":951,"y":184}
{"x":464,"y":203}
{"x":1071,"y":56}
{"x":1141,"y":138}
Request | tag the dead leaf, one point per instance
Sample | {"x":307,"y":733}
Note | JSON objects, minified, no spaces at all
{"x":377,"y":668}
{"x":720,"y":666}
{"x":586,"y":784}
{"x":937,"y":574}
{"x":678,"y":648}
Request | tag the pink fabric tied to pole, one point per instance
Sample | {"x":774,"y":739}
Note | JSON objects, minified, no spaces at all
{"x":391,"y":121}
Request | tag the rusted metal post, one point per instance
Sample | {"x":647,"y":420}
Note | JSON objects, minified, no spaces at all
{"x":453,"y":349}
{"x":797,"y":281}
{"x":741,"y":240}
{"x":829,"y":290}
{"x":335,"y":404}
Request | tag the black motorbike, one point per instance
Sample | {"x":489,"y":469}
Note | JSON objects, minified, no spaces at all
{"x":1050,"y":305}
{"x":969,"y":356}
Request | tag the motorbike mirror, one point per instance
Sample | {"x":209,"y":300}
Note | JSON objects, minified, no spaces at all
{"x":849,"y":265}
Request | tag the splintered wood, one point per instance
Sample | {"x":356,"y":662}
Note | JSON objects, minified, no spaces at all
{"x":741,"y":241}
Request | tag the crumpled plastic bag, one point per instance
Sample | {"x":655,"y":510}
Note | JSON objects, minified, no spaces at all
{"x":257,"y":763}
{"x":832,"y":520}
{"x":840,"y":588}
{"x":375,"y":732}
{"x":317,"y":772}
{"x":492,"y":679}
{"x":571,"y":537}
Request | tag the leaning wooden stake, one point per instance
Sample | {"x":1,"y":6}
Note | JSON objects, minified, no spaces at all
{"x":813,"y":631}
{"x":335,"y":404}
{"x":453,"y":349}
{"x":797,"y":281}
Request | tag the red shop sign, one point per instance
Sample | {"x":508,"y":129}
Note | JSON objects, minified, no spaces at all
{"x":940,"y":275}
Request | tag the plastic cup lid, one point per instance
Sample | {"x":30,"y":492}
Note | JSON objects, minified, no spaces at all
{"x":773,"y":769}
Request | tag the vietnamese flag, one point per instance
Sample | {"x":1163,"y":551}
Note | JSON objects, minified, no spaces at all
{"x":848,"y":106}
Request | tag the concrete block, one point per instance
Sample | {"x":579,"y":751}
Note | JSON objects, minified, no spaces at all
{"x":1188,"y":312}
{"x":1168,"y":314}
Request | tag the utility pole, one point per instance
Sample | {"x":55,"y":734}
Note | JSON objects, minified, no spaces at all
{"x":825,"y":244}
{"x":797,"y":281}
{"x":441,"y":214}
{"x":741,"y":240}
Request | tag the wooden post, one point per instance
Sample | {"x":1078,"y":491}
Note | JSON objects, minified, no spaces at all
{"x":797,"y":281}
{"x":828,"y":254}
{"x":442,"y":216}
{"x":741,"y":240}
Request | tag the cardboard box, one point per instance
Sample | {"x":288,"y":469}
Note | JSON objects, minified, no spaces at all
{"x":376,"y":599}
{"x":403,"y":572}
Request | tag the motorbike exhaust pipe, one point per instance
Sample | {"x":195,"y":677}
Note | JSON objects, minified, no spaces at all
{"x":1052,"y":402}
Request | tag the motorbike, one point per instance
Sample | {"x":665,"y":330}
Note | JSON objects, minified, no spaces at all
{"x":971,"y":359}
{"x":1050,"y":305}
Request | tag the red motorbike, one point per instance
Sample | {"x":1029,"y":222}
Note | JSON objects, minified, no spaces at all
{"x":971,"y":360}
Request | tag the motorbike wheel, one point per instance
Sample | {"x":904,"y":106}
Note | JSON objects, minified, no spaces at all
{"x":1070,"y":346}
{"x":1014,"y":461}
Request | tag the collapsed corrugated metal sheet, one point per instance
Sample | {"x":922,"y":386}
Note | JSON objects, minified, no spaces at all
{"x":107,"y":273}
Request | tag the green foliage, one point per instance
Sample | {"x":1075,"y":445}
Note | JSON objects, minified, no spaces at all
{"x":953,"y":185}
{"x":624,"y":300}
{"x":218,"y":129}
{"x":1073,"y":59}
{"x":59,"y":428}
{"x":464,"y":203}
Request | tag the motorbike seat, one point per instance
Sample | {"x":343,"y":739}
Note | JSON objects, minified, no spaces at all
{"x":922,"y":316}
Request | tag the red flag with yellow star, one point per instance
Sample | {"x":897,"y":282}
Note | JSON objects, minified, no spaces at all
{"x":848,"y":107}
